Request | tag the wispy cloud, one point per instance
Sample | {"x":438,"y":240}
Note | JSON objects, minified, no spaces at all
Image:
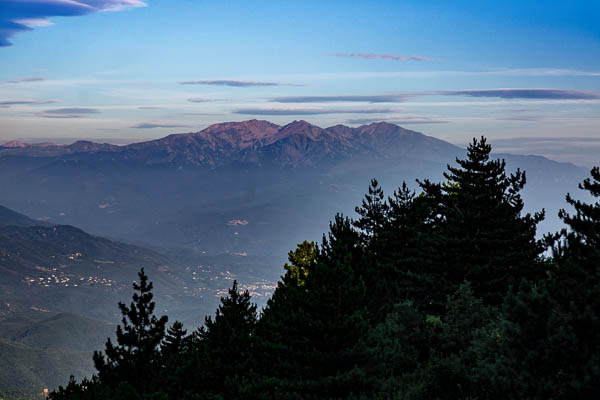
{"x":372,"y":56}
{"x":9,"y":103}
{"x":520,"y":118}
{"x":525,"y":72}
{"x":69,"y":112}
{"x":34,"y":22}
{"x":527,"y":93}
{"x":73,"y":110}
{"x":540,"y":72}
{"x":559,"y":94}
{"x":201,"y":100}
{"x":23,"y":15}
{"x":28,"y":79}
{"x":152,"y":125}
{"x":149,"y":108}
{"x":236,"y":83}
{"x":397,"y":121}
{"x":379,"y":98}
{"x":310,"y":111}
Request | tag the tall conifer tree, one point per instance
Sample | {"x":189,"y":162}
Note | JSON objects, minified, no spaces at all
{"x":486,"y":238}
{"x":309,"y":334}
{"x":135,"y":357}
{"x":225,"y":347}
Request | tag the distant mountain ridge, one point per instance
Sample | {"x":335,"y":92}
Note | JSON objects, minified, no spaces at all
{"x":258,"y":142}
{"x":180,"y":191}
{"x":16,"y":147}
{"x":10,"y":217}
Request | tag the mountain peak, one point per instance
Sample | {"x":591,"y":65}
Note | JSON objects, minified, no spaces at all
{"x":381,"y":126}
{"x":300,"y":127}
{"x":245,"y":129}
{"x":88,"y":146}
{"x":299,"y":123}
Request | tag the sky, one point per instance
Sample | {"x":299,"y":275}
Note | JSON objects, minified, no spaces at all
{"x":526,"y":74}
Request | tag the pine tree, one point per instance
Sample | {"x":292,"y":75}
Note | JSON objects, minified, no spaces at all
{"x":409,"y":257}
{"x":395,"y":348}
{"x":373,"y":211}
{"x":301,"y":261}
{"x":225,"y":347}
{"x":173,"y":342}
{"x":583,"y":239}
{"x":391,"y":233}
{"x":485,"y":238}
{"x":282,"y":331}
{"x":547,"y":344}
{"x":338,"y":313}
{"x":134,"y":359}
{"x":308,"y":337}
{"x":175,"y":352}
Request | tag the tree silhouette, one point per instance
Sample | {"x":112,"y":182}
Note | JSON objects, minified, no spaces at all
{"x":134,"y":358}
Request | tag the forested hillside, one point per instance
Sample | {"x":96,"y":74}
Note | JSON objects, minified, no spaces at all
{"x":42,"y":352}
{"x":436,"y":292}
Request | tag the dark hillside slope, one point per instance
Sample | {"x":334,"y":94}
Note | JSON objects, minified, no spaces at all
{"x":10,"y":217}
{"x":44,"y":353}
{"x":62,"y":268}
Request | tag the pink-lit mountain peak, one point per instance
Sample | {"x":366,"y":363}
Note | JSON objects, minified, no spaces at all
{"x":257,"y":142}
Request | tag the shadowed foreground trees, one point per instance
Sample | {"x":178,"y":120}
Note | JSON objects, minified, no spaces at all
{"x":443,"y":294}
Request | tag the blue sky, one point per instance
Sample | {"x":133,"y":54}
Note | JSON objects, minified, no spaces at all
{"x":127,"y":70}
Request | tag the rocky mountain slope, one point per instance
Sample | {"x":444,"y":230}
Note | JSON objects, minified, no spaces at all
{"x":257,"y":142}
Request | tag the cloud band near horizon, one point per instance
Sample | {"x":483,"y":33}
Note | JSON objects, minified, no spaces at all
{"x":310,"y":111}
{"x":152,"y":125}
{"x":68,"y":112}
{"x":526,"y":93}
{"x":27,"y":79}
{"x":8,"y":103}
{"x":238,"y":83}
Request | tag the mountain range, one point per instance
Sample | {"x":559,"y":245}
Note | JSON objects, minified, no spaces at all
{"x":298,"y":144}
{"x":185,"y":191}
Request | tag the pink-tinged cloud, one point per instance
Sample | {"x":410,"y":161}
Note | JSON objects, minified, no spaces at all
{"x":372,"y":56}
{"x":309,"y":111}
{"x":397,"y":121}
{"x":69,"y":112}
{"x":152,"y":125}
{"x":378,"y":98}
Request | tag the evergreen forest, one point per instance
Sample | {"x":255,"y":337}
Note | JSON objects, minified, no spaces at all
{"x":441,"y":291}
